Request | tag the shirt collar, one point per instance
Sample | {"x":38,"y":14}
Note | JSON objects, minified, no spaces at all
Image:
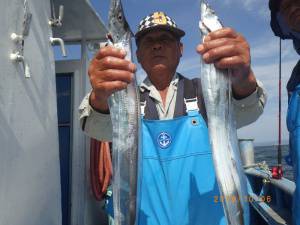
{"x":147,"y":85}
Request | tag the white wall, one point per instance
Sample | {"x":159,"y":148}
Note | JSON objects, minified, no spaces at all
{"x":29,"y":161}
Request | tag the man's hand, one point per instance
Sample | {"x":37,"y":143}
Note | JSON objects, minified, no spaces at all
{"x":229,"y":50}
{"x":108,"y":72}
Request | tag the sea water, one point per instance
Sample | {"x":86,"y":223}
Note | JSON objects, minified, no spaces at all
{"x":269,"y":154}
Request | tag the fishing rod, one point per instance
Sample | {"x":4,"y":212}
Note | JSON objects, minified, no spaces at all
{"x":279,"y":105}
{"x":277,"y":171}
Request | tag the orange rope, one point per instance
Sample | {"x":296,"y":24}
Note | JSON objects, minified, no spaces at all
{"x":100,"y":168}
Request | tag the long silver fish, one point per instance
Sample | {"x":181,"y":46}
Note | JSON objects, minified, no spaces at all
{"x":217,"y":94}
{"x":124,"y":111}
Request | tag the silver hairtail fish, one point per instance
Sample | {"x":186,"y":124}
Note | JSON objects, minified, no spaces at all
{"x":124,"y":111}
{"x":217,"y":94}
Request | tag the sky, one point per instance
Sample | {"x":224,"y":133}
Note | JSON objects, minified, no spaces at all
{"x":251,"y":18}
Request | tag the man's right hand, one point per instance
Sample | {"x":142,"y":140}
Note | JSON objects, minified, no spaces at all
{"x":108,"y":72}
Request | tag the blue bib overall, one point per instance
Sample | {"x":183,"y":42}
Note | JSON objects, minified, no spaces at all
{"x":293,"y":124}
{"x":177,"y":183}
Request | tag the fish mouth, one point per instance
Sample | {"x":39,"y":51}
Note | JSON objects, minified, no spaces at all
{"x":115,"y":5}
{"x":209,"y":20}
{"x":204,"y":9}
{"x":116,"y":9}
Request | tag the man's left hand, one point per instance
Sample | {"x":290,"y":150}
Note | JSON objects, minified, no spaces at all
{"x":228,"y":49}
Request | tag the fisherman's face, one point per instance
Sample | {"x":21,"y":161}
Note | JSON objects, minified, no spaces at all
{"x":159,"y":50}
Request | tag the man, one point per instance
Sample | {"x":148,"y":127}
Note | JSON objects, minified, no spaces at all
{"x":285,"y":23}
{"x":178,"y":183}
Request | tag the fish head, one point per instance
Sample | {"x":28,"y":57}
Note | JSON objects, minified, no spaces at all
{"x":209,"y":20}
{"x":117,"y":25}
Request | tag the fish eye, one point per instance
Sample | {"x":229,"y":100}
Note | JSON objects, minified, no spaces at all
{"x":120,"y":16}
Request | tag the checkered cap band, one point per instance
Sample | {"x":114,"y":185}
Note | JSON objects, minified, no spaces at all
{"x":158,"y":19}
